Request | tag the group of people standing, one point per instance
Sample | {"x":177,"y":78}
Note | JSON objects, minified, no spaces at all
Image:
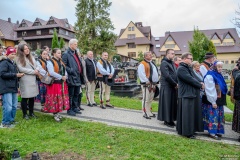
{"x":69,"y":72}
{"x":191,"y":93}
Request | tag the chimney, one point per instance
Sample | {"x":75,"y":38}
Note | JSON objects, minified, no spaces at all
{"x":17,"y":22}
{"x":167,"y":33}
{"x":138,"y":24}
{"x":9,"y":20}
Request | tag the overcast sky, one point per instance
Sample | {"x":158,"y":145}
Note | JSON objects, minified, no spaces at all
{"x":162,"y":16}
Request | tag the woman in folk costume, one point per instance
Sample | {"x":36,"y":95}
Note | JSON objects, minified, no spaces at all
{"x":216,"y":90}
{"x":42,"y":65}
{"x":57,"y":98}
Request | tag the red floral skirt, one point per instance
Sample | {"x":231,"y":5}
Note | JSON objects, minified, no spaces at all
{"x":57,"y":98}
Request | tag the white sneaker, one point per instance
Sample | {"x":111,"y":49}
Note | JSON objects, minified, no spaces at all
{"x":7,"y":126}
{"x":57,"y":118}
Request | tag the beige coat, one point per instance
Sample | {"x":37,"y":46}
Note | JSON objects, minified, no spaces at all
{"x":28,"y":84}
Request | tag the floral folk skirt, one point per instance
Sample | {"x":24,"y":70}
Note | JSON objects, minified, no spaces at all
{"x":236,"y":117}
{"x":57,"y":98}
{"x":213,"y":119}
{"x":41,"y":97}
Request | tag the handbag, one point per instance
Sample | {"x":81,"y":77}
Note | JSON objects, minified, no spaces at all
{"x":46,"y":79}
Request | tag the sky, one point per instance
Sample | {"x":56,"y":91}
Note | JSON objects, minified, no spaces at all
{"x":162,"y":16}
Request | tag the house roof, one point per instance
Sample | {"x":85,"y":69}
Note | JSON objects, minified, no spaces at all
{"x":181,"y":38}
{"x":7,"y":29}
{"x":59,"y":23}
{"x":145,"y":30}
{"x":43,"y":37}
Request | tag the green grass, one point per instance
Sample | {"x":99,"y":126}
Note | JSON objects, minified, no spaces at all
{"x":99,"y":141}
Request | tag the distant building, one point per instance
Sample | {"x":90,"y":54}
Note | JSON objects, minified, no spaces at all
{"x":37,"y":34}
{"x":132,"y":40}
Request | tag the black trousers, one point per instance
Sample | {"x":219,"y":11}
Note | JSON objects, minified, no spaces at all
{"x":30,"y":103}
{"x":73,"y":96}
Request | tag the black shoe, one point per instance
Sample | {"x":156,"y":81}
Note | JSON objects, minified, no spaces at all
{"x":25,"y":117}
{"x":167,"y":124}
{"x":172,"y":124}
{"x":239,"y":139}
{"x":33,"y":116}
{"x":90,"y":105}
{"x":77,"y":111}
{"x":102,"y":106}
{"x":94,"y":104}
{"x":80,"y":108}
{"x":109,"y":105}
{"x":219,"y":135}
{"x":214,"y":137}
{"x":191,"y":137}
{"x":71,"y":113}
{"x":153,"y":116}
{"x":147,"y":117}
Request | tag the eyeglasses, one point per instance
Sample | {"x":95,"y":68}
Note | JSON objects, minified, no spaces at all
{"x":189,"y":58}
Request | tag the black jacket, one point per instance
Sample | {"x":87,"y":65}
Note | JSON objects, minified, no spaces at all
{"x":8,"y":77}
{"x":74,"y":76}
{"x":91,"y":69}
{"x":168,"y":73}
{"x":188,"y":85}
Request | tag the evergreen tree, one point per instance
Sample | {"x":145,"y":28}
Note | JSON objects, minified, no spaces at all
{"x":61,"y":43}
{"x":1,"y":43}
{"x":199,"y":46}
{"x":55,"y":43}
{"x":212,"y":48}
{"x":140,"y":56}
{"x":93,"y":26}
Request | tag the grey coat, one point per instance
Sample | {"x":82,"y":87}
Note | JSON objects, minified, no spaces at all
{"x":28,"y":84}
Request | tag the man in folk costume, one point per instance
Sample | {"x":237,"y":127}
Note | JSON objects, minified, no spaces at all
{"x":207,"y":63}
{"x":167,"y":107}
{"x":105,"y":72}
{"x":91,"y":77}
{"x":148,"y":74}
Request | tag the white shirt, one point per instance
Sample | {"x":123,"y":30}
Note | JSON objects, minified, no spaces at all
{"x":104,"y":71}
{"x":41,"y":70}
{"x":142,"y":75}
{"x":203,"y":70}
{"x":210,"y":89}
{"x":50,"y":68}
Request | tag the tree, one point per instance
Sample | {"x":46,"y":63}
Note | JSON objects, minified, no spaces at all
{"x":93,"y":26}
{"x":55,"y":43}
{"x":199,"y":46}
{"x":1,"y":43}
{"x":212,"y":48}
{"x":61,"y":43}
{"x":236,"y":20}
{"x":140,"y":56}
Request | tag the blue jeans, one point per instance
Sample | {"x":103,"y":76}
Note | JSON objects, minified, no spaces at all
{"x":9,"y":107}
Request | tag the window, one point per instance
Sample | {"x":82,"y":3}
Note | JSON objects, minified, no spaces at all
{"x":67,"y":25}
{"x":37,"y":24}
{"x":131,"y":36}
{"x":51,"y":22}
{"x":215,"y":37}
{"x":169,"y":39}
{"x":24,"y":33}
{"x":131,"y":45}
{"x":156,"y":38}
{"x":169,"y":45}
{"x":39,"y":32}
{"x":129,"y":28}
{"x":226,"y":62}
{"x":232,"y":61}
{"x":50,"y":31}
{"x":228,"y":43}
{"x":157,"y":45}
{"x":216,"y":44}
{"x":131,"y":54}
{"x":228,"y":36}
{"x":132,"y":28}
{"x":23,"y":25}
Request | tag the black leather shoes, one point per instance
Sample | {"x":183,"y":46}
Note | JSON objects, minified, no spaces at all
{"x":109,"y":105}
{"x":81,"y":108}
{"x":90,"y":105}
{"x":102,"y":106}
{"x":172,"y":124}
{"x":168,"y":124}
{"x":191,"y":137}
{"x":71,"y":113}
{"x":94,"y":104}
{"x":147,"y":117}
{"x":33,"y":116}
{"x":77,"y":111}
{"x":153,"y":116}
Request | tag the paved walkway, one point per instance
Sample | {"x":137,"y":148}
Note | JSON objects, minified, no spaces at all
{"x":134,"y":119}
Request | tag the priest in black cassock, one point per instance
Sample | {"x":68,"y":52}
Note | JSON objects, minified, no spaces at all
{"x":189,"y":115}
{"x":167,"y":107}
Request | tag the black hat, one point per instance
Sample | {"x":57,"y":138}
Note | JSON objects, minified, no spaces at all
{"x":208,"y":55}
